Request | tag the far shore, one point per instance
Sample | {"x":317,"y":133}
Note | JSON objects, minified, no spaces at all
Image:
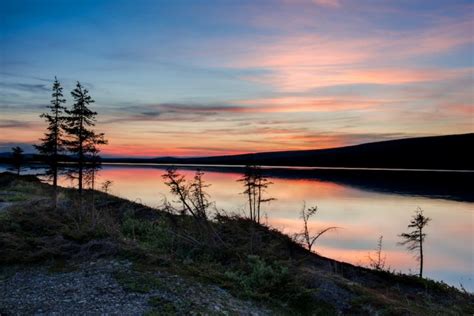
{"x":432,"y":183}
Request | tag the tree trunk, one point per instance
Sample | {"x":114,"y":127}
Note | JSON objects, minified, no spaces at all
{"x":421,"y":253}
{"x":81,"y":153}
{"x":55,"y":154}
{"x":259,"y":199}
{"x":250,"y":200}
{"x":254,"y":193}
{"x":80,"y":175}
{"x":55,"y":183}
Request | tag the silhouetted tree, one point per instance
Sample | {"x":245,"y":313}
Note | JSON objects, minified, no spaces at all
{"x":106,"y":185}
{"x":414,"y":239}
{"x":378,"y":263}
{"x":261,"y":183}
{"x":92,"y":166}
{"x":52,"y":144}
{"x":248,"y":180}
{"x":194,"y":200}
{"x":93,"y":163}
{"x":192,"y":195}
{"x":82,"y":140}
{"x":306,"y":237}
{"x":255,"y":185}
{"x":199,"y":197}
{"x":178,"y":187}
{"x":17,"y":159}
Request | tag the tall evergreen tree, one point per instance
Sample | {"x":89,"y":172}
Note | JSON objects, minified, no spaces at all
{"x":52,"y":144}
{"x":414,"y":239}
{"x":82,"y":140}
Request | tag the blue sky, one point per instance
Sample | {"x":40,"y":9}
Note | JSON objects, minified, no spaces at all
{"x":212,"y":77}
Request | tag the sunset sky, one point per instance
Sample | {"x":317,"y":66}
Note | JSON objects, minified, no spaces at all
{"x":194,"y":78}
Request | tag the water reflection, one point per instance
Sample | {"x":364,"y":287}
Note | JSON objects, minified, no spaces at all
{"x":362,"y":214}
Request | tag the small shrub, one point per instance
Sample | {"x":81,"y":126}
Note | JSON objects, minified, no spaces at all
{"x":273,"y":282}
{"x":260,"y":278}
{"x":151,"y":234}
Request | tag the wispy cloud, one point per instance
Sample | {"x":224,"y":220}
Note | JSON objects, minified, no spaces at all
{"x":236,"y":108}
{"x":14,"y":124}
{"x":304,"y":61}
{"x":288,"y":104}
{"x":328,"y":3}
{"x":172,"y":112}
{"x":25,"y":86}
{"x":16,"y":75}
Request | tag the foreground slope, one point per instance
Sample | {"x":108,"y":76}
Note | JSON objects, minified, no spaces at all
{"x":116,"y":255}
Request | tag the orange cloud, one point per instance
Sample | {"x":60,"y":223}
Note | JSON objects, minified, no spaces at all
{"x":467,"y":109}
{"x":309,"y":104}
{"x":293,"y":79}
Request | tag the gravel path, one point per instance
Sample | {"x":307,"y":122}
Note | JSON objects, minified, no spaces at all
{"x":92,"y":289}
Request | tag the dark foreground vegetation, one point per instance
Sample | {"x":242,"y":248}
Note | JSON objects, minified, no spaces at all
{"x":250,"y":261}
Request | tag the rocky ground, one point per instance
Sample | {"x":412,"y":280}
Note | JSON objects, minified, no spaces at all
{"x":110,"y":287}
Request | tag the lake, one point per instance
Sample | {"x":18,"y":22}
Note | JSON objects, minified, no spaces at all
{"x":363,"y":204}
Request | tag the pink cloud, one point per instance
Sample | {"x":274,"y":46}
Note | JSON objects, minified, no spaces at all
{"x":301,"y":61}
{"x":328,"y":3}
{"x":294,"y":79}
{"x":436,"y":40}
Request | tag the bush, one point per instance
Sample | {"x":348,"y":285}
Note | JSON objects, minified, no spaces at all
{"x":259,"y":278}
{"x":273,"y":282}
{"x":151,"y":234}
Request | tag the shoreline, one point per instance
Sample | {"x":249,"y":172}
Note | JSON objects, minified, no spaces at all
{"x":254,"y":259}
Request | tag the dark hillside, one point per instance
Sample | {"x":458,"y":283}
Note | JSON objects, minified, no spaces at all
{"x":437,"y":152}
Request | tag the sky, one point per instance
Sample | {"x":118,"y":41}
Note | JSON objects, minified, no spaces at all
{"x":198,"y":78}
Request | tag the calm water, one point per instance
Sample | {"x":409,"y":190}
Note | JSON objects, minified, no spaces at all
{"x":361,"y":210}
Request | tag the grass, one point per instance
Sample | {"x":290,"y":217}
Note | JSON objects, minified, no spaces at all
{"x":14,"y":197}
{"x":249,"y":260}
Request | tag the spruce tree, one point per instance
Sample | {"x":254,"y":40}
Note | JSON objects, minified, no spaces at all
{"x":414,"y":239}
{"x":82,"y":140}
{"x":52,"y":144}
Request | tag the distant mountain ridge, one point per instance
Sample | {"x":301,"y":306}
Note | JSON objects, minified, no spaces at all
{"x":453,"y":152}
